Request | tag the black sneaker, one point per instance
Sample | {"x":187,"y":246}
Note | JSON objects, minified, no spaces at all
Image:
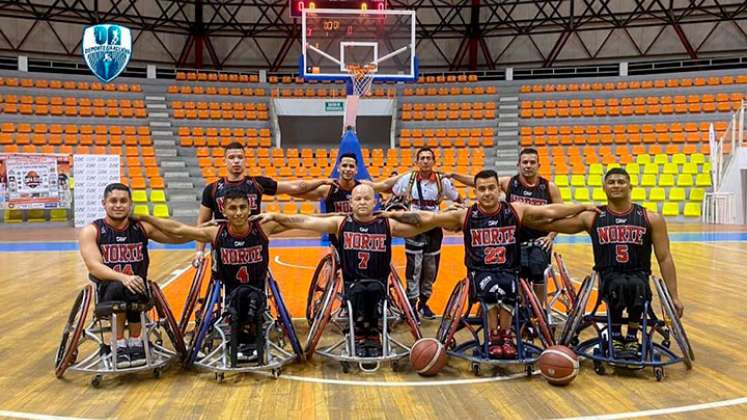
{"x":426,"y":312}
{"x":137,"y":354}
{"x":632,"y":347}
{"x":373,"y":346}
{"x":619,"y":349}
{"x":361,"y":349}
{"x":123,"y":357}
{"x":246,"y":353}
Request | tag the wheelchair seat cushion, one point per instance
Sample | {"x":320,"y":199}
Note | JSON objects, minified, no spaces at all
{"x":105,"y":309}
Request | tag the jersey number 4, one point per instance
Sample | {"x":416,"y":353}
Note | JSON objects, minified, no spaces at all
{"x":126,"y":269}
{"x":621,"y":254}
{"x":363,"y":260}
{"x":495,"y":255}
{"x":242,"y":276}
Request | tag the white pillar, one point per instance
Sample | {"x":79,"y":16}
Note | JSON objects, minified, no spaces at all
{"x":151,"y":71}
{"x":23,"y":63}
{"x":623,"y":68}
{"x":509,"y":73}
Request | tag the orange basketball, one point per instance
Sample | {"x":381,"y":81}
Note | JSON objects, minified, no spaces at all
{"x":558,"y":365}
{"x":428,"y":356}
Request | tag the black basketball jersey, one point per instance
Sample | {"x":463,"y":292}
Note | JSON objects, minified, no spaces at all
{"x":622,"y":242}
{"x":365,"y":249}
{"x":254,"y":187}
{"x":124,"y":251}
{"x":490,"y":240}
{"x":537,"y":195}
{"x":241,"y":259}
{"x":338,"y":199}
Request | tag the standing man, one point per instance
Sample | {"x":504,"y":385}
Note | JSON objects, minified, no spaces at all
{"x":423,"y":189}
{"x":529,"y":188}
{"x":115,"y":251}
{"x":254,"y":187}
{"x":622,"y":236}
{"x":492,"y":249}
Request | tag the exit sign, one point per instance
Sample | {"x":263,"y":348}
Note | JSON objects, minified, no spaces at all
{"x":336,"y":106}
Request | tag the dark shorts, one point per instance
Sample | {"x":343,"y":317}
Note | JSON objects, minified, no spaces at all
{"x":246,"y":304}
{"x":493,"y":287}
{"x":364,"y":296}
{"x":534,"y":262}
{"x":428,"y":242}
{"x":626,"y":290}
{"x":110,"y":291}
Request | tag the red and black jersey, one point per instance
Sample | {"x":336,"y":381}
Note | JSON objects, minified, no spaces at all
{"x":535,"y":195}
{"x":254,"y":187}
{"x":124,"y":251}
{"x":622,"y":241}
{"x":241,"y":259}
{"x":365,"y":249}
{"x":490,"y":240}
{"x":338,"y":201}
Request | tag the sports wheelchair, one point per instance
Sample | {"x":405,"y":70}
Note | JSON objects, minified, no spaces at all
{"x":464,"y":311}
{"x":78,"y":337}
{"x":327,"y":305}
{"x":599,"y":348}
{"x":212,"y":347}
{"x":561,"y":295}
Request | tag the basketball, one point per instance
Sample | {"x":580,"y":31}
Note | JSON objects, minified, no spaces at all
{"x":428,"y":357}
{"x":558,"y":365}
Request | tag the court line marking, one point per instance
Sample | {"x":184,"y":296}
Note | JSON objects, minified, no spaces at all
{"x":22,"y":415}
{"x":385,"y":384}
{"x":664,"y":411}
{"x":175,"y":275}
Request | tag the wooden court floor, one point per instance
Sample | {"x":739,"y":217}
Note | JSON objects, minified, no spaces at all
{"x":38,"y":288}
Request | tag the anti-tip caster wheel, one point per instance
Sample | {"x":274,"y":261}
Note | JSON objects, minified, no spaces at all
{"x":599,"y":368}
{"x":345,"y":367}
{"x":529,"y":369}
{"x":157,"y":373}
{"x":220,"y":377}
{"x":96,"y":381}
{"x":275,"y":373}
{"x":659,"y":373}
{"x":475,"y":369}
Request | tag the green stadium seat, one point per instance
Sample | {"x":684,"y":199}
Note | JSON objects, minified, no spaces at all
{"x":692,"y":210}
{"x":677,"y":194}
{"x":161,"y":210}
{"x":679,"y":158}
{"x":634,"y":180}
{"x":651,"y":206}
{"x":13,"y":216}
{"x":657,"y":194}
{"x":594,"y":181}
{"x":36,"y":216}
{"x":561,"y":180}
{"x":578,"y":181}
{"x":157,"y":196}
{"x":643,"y":159}
{"x":142,"y":209}
{"x":670,"y":209}
{"x":565,"y":194}
{"x":703,"y":180}
{"x":58,"y":215}
{"x":670,"y":168}
{"x":139,"y":196}
{"x":596,"y":169}
{"x":685,"y":180}
{"x":633,"y":168}
{"x":581,"y":194}
{"x":638,"y":194}
{"x":651,"y":168}
{"x":697,"y":194}
{"x":648,"y":180}
{"x":666,"y":180}
{"x":697,"y":158}
{"x":598,"y":195}
{"x":661,"y":159}
{"x":690,"y":168}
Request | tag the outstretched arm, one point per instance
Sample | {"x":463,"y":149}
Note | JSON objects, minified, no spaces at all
{"x":180,"y":230}
{"x":317,"y":193}
{"x":539,"y":217}
{"x":385,"y":185}
{"x":579,"y":223}
{"x":463,"y":179}
{"x":302,"y":222}
{"x":412,"y":223}
{"x":300,"y":187}
{"x":660,"y":240}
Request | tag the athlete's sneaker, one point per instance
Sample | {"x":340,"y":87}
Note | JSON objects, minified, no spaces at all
{"x":123,"y":357}
{"x":632,"y":347}
{"x":360,"y":346}
{"x":495,"y":347}
{"x":508,"y":347}
{"x":246,"y":353}
{"x":426,"y":312}
{"x":137,"y":353}
{"x":373,"y":346}
{"x":619,"y":350}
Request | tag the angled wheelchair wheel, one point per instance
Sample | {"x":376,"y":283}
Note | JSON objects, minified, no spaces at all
{"x":325,"y":271}
{"x":285,"y":318}
{"x":453,"y":313}
{"x":206,"y":320}
{"x":322,"y":316}
{"x":537,"y":314}
{"x":164,"y":313}
{"x":192,"y":296}
{"x":67,"y":351}
{"x":399,"y":297}
{"x":673,"y":322}
{"x":577,"y":313}
{"x":565,"y":279}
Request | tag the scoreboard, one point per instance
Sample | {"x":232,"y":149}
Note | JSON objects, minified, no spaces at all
{"x":297,"y":6}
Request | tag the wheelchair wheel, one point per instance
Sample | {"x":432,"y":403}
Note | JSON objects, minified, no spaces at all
{"x":164,"y":313}
{"x":565,"y":279}
{"x":194,"y":293}
{"x":578,"y":311}
{"x":453,"y":313}
{"x":537,"y":315}
{"x":397,"y":294}
{"x":285,"y":318}
{"x":206,"y":320}
{"x":322,"y":316}
{"x":672,"y":321}
{"x":76,"y":323}
{"x":325,"y":271}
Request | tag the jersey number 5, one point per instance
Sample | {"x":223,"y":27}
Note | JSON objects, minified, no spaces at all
{"x":621,"y":254}
{"x":495,"y":255}
{"x":363,"y":260}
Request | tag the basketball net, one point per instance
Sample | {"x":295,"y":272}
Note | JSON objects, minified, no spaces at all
{"x":361,"y":80}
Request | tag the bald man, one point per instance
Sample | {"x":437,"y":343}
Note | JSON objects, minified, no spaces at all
{"x":365,"y":248}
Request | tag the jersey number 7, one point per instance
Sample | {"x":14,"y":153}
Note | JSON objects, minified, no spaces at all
{"x":363,"y":260}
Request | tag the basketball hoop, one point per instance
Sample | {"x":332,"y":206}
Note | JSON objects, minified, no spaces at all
{"x":362,"y":77}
